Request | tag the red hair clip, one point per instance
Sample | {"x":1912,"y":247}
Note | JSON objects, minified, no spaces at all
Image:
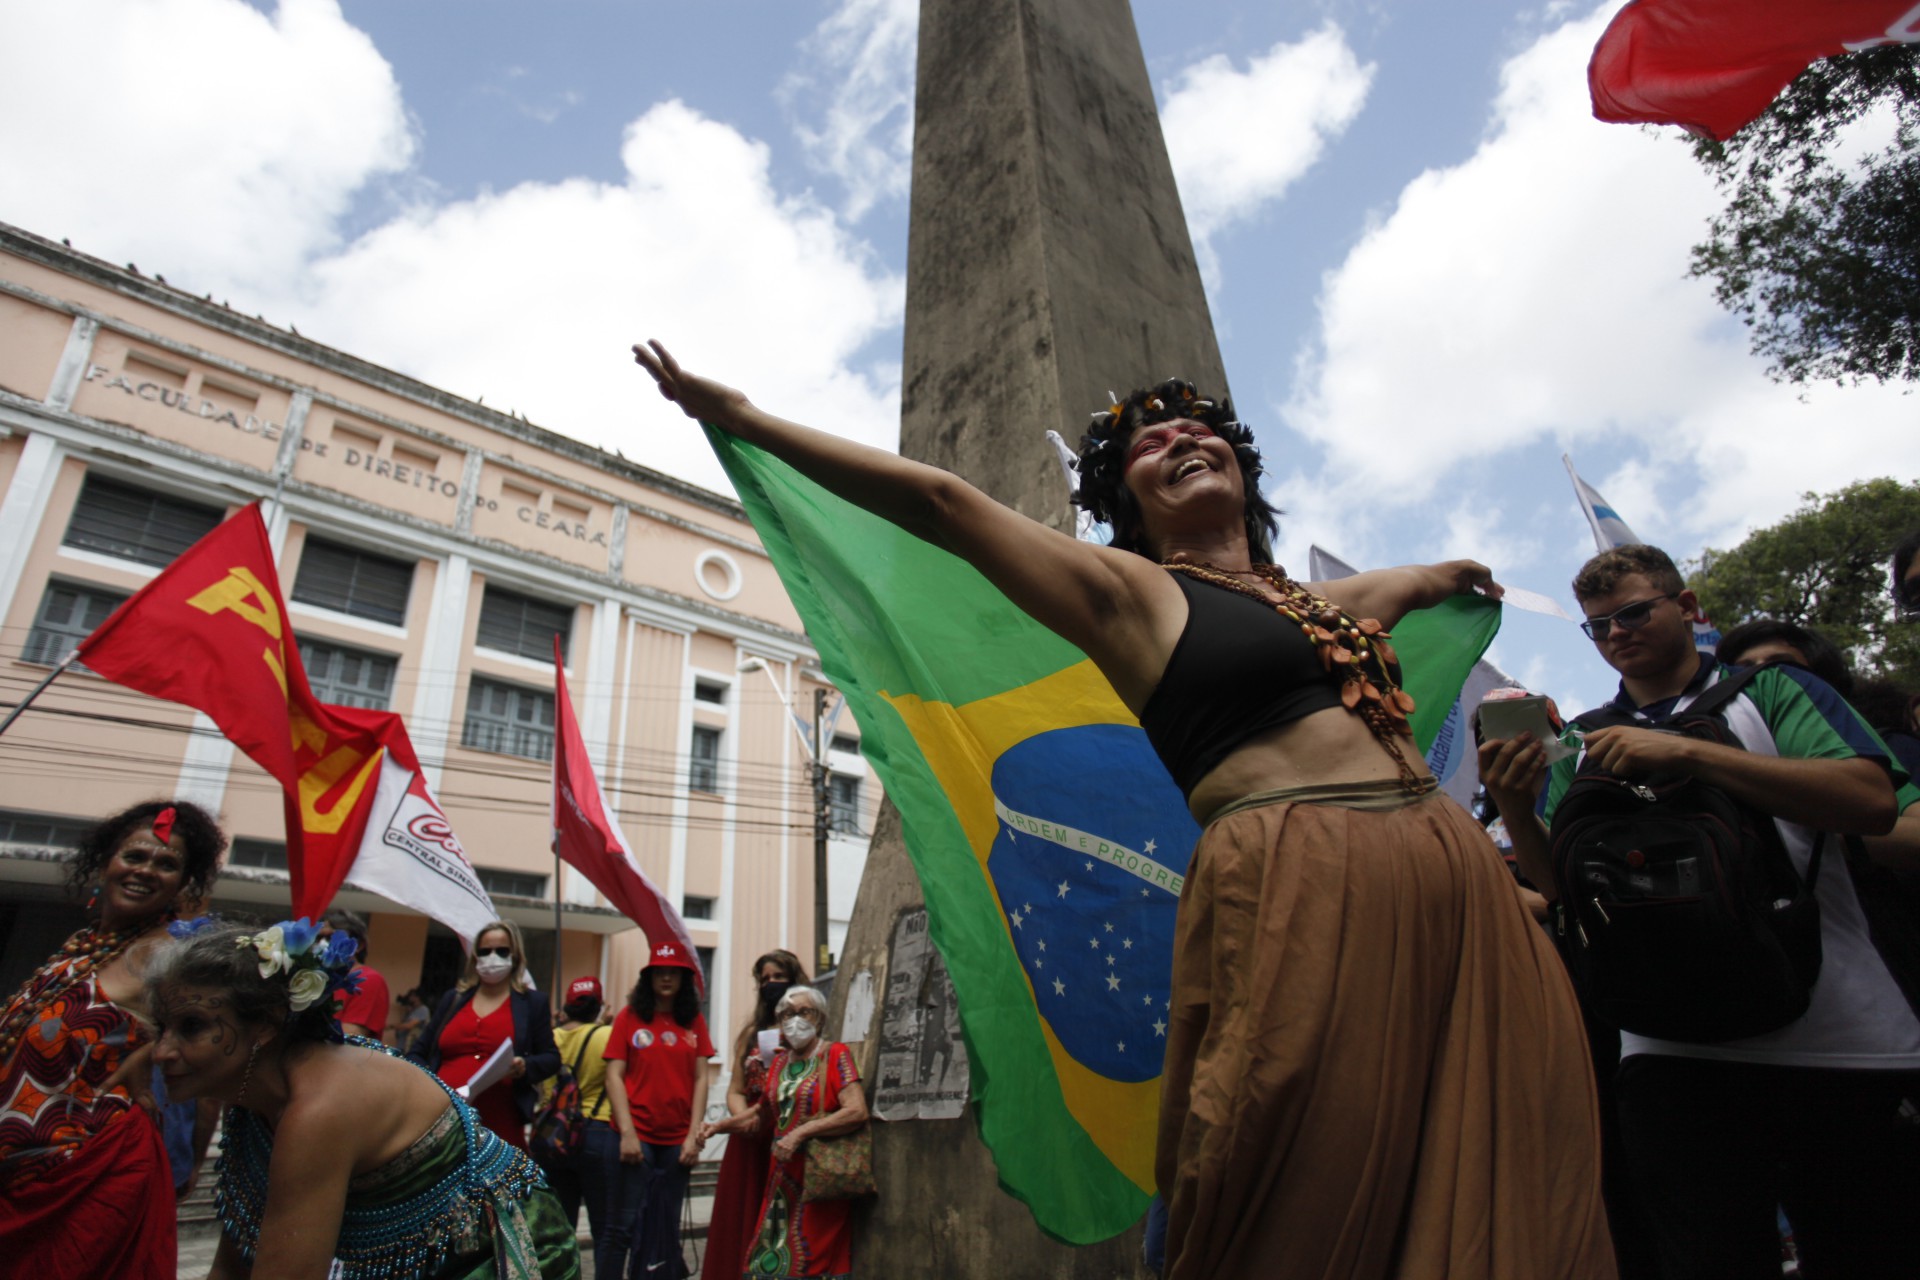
{"x":163,"y":824}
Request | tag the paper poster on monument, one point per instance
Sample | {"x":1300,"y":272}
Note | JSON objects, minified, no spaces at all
{"x":922,"y":1073}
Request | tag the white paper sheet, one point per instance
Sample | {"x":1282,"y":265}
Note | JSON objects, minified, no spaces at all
{"x":491,"y":1072}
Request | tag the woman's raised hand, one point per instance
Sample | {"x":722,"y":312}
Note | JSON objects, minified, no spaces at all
{"x":698,"y":397}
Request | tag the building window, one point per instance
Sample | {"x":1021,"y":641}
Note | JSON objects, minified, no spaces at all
{"x":847,"y":743}
{"x":708,"y":691}
{"x":356,"y":582}
{"x":508,"y":719}
{"x":694,"y":908}
{"x":69,"y":613}
{"x":512,"y":884}
{"x":703,"y":774}
{"x":517,"y":624}
{"x":248,"y":852}
{"x":706,"y":969}
{"x":843,"y":804}
{"x":348,"y":677}
{"x":41,"y":829}
{"x":136,"y":524}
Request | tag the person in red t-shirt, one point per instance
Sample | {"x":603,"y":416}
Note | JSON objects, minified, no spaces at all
{"x":365,"y":1012}
{"x":657,"y":1082}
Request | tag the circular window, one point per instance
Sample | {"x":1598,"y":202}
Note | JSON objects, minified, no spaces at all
{"x":718,"y":574}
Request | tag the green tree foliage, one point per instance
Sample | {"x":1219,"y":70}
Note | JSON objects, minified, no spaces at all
{"x":1826,"y":567}
{"x":1818,"y":248}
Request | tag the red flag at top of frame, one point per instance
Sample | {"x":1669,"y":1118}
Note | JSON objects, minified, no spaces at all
{"x":1713,"y":65}
{"x":587,"y":836}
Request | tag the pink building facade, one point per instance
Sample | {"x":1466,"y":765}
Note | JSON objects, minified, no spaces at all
{"x":429,"y":548}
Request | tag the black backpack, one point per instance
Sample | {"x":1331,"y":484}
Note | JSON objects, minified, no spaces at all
{"x":1682,"y":917}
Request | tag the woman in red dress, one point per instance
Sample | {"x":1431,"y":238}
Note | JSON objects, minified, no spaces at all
{"x":743,"y":1170}
{"x":493,"y":1003}
{"x":85,"y":1189}
{"x":813,"y":1091}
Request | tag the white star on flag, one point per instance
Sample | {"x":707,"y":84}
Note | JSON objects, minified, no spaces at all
{"x":1064,"y":886}
{"x":1059,"y":987}
{"x":1113,"y":982}
{"x":1149,"y":846}
{"x":1159,"y":1027}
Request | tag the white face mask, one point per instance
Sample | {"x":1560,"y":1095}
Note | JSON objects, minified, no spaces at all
{"x":493,"y":968}
{"x":799,"y":1031}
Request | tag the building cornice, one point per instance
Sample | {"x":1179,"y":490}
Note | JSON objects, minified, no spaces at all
{"x":204,"y":311}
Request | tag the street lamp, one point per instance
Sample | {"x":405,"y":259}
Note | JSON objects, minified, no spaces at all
{"x":816,"y":759}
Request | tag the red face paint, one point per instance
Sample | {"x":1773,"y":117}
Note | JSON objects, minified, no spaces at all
{"x":163,"y":824}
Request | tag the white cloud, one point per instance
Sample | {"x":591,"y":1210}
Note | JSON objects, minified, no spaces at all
{"x":528,"y":297}
{"x":1538,"y":290}
{"x":860,"y":85}
{"x":197,"y":138}
{"x":1239,"y":139}
{"x":532,"y":296}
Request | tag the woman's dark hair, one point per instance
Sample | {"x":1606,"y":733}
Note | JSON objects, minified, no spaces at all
{"x":1103,"y":462}
{"x":197,"y":830}
{"x":686,"y":1001}
{"x":1887,"y":707}
{"x":1903,"y":553}
{"x":1823,"y":658}
{"x":762,"y":1018}
{"x":585,"y":1009}
{"x":214,"y":958}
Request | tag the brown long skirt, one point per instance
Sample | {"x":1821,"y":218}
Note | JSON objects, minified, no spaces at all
{"x":1375,"y":1065}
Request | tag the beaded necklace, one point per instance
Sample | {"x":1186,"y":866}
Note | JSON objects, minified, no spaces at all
{"x":84,"y":954}
{"x":1354,"y":649}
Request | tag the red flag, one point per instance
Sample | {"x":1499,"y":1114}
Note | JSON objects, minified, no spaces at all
{"x":587,"y":836}
{"x":211,"y":631}
{"x":1713,"y":65}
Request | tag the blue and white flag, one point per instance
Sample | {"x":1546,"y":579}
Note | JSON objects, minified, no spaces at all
{"x":1610,"y":531}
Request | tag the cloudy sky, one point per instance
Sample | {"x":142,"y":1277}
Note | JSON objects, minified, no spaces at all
{"x":1431,"y":271}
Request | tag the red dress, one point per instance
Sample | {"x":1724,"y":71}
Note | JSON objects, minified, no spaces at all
{"x":466,"y":1042}
{"x":743,"y":1181}
{"x":798,"y":1237}
{"x":85,"y":1190}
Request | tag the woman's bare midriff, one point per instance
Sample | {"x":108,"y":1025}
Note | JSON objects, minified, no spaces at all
{"x":1329,"y":746}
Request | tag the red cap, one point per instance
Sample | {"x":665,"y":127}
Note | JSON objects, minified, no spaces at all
{"x":671,"y":955}
{"x":581,"y":988}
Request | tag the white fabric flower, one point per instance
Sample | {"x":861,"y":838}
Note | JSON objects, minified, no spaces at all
{"x":307,"y":986}
{"x":271,"y":945}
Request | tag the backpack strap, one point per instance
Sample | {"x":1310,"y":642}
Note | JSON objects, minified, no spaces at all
{"x":1711,"y":702}
{"x":580,"y":1055}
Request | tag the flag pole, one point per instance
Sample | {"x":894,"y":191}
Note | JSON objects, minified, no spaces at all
{"x":559,"y":992}
{"x":38,"y":690}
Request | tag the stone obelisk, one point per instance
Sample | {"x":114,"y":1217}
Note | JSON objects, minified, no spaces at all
{"x":1047,"y":262}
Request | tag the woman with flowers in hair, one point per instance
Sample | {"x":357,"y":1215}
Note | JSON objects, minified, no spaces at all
{"x":85,"y":1187}
{"x":336,"y":1149}
{"x":1374,"y":1062}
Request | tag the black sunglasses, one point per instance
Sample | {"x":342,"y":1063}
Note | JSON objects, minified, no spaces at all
{"x":1631,"y":618}
{"x":505,"y":953}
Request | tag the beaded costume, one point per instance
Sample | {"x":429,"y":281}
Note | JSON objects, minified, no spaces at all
{"x":459,"y":1204}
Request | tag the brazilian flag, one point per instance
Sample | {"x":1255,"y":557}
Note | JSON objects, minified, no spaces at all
{"x":1049,"y":840}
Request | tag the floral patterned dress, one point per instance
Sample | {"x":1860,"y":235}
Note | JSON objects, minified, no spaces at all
{"x":797,"y":1237}
{"x":742,"y":1185}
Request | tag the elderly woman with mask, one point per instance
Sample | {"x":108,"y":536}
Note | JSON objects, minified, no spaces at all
{"x":813,"y":1091}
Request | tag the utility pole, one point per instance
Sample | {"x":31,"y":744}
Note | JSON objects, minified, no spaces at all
{"x":822,"y":957}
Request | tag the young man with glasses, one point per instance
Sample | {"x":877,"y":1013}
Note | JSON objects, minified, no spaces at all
{"x":1808,"y":1116}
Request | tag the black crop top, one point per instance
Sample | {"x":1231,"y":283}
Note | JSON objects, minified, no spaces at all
{"x":1238,"y":670}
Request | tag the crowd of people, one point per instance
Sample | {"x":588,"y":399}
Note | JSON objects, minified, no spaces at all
{"x":1378,"y":1061}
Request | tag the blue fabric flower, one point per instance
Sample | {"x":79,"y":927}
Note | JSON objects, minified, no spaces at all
{"x":341,"y":950}
{"x":299,"y":935}
{"x":187,"y":928}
